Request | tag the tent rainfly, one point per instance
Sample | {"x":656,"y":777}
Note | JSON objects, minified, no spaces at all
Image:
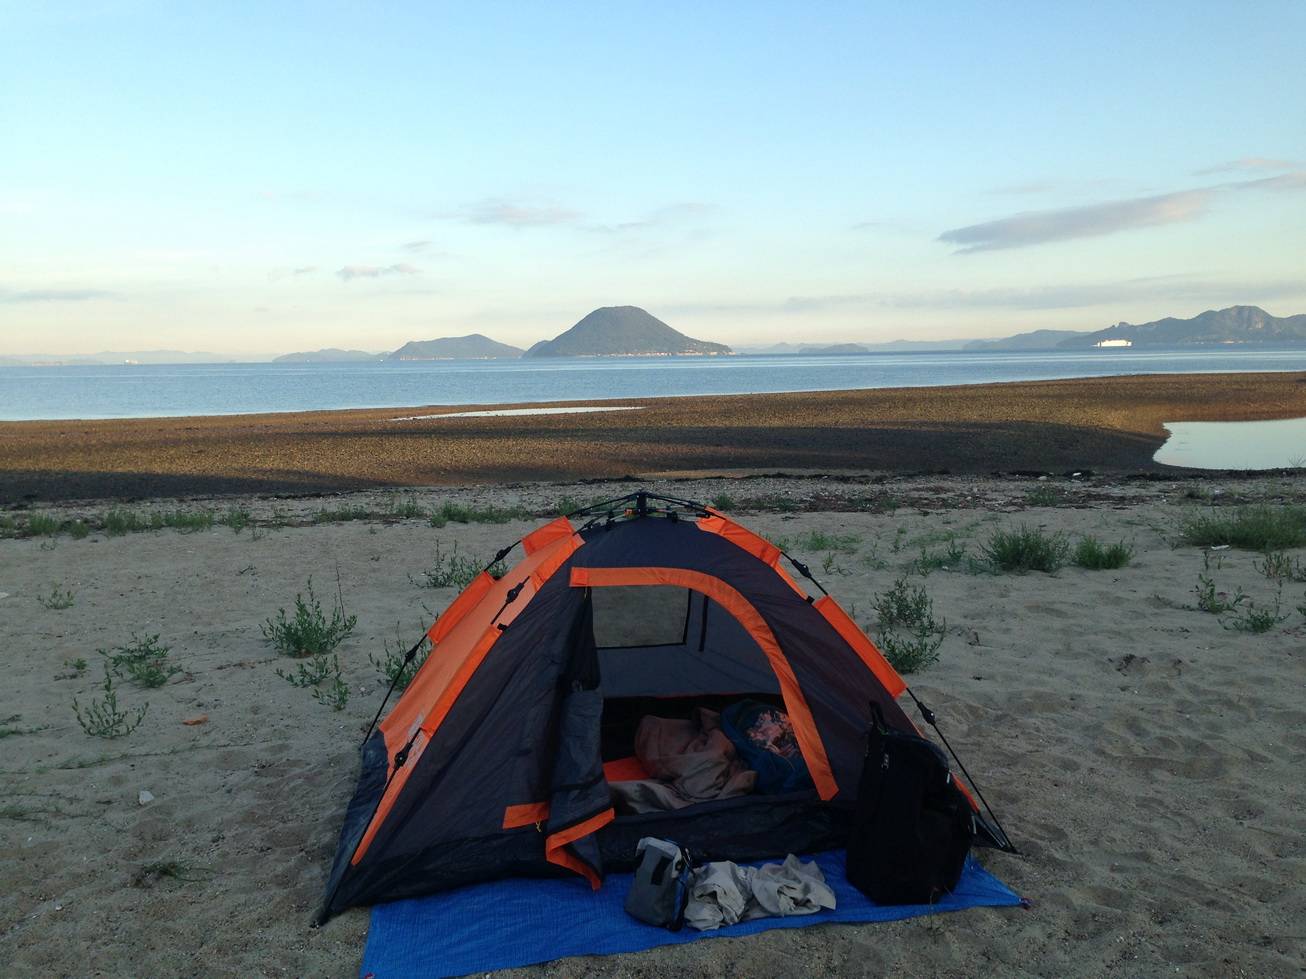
{"x":497,"y":759}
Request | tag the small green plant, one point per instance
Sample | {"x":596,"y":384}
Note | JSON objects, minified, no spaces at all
{"x":451,"y":569}
{"x":1281,"y":567}
{"x":1252,"y":528}
{"x":1092,"y":554}
{"x":1026,"y":549}
{"x":57,"y":598}
{"x":187,"y":521}
{"x":309,"y":632}
{"x":953,"y":558}
{"x":309,"y":674}
{"x":405,"y":508}
{"x":447,"y":513}
{"x":144,"y":661}
{"x":1257,"y":619}
{"x":1216,"y":602}
{"x":42,"y":525}
{"x":343,"y":514}
{"x":102,"y":718}
{"x":722,"y":501}
{"x":819,"y":540}
{"x":119,"y":521}
{"x":1043,"y":495}
{"x":76,"y":668}
{"x":392,"y":666}
{"x":909,"y":635}
{"x":237,"y":518}
{"x":335,"y":694}
{"x":77,"y":529}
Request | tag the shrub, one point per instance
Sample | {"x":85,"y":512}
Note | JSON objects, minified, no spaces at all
{"x":144,"y":661}
{"x":448,"y":512}
{"x":1026,"y":549}
{"x":309,"y":632}
{"x":187,"y":521}
{"x":722,"y":501}
{"x":77,"y":529}
{"x":951,"y":559}
{"x":1253,"y":528}
{"x":909,"y":635}
{"x":1091,"y":553}
{"x":406,"y":508}
{"x":102,"y":718}
{"x":118,"y":521}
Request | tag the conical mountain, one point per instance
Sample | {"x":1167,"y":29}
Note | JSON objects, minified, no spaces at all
{"x":623,"y":331}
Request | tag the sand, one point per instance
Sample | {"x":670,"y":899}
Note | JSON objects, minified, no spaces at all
{"x":1145,"y":758}
{"x":1103,"y":424}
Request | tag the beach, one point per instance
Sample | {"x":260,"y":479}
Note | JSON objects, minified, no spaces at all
{"x":1143,"y":754}
{"x":1110,"y":424}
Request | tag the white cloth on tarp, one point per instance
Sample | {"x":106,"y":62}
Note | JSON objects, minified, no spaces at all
{"x":723,"y":893}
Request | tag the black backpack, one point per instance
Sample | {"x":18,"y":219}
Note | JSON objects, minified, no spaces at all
{"x":912,"y":827}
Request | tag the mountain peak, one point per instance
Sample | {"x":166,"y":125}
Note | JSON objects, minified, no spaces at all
{"x":623,"y":331}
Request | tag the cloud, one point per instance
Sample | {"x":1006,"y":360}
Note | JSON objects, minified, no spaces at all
{"x":1182,"y":287}
{"x":416,"y":246}
{"x":667,"y":216}
{"x":55,"y":295}
{"x":514,"y":214}
{"x":1247,"y":163}
{"x":303,"y":270}
{"x":350,"y":272}
{"x":1066,"y":223}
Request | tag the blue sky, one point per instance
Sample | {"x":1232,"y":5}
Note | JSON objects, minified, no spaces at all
{"x":256,"y":178}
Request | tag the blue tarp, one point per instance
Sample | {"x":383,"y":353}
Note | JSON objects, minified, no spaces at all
{"x":508,"y":923}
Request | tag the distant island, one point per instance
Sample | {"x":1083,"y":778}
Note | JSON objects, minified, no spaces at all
{"x":628,"y":331}
{"x":327,"y":355}
{"x":1236,"y":325}
{"x":624,"y":331}
{"x":473,"y":346}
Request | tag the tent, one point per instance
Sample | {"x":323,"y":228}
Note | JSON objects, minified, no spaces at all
{"x":496,"y":760}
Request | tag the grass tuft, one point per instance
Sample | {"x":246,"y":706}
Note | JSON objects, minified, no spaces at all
{"x":1026,"y":549}
{"x":1252,"y":528}
{"x":57,"y":598}
{"x":1092,"y":554}
{"x":393,"y":666}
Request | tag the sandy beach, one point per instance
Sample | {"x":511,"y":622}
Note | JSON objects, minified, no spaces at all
{"x":1144,"y":755}
{"x":1104,"y":424}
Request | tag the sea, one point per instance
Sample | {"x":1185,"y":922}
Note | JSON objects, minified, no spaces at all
{"x":144,"y":391}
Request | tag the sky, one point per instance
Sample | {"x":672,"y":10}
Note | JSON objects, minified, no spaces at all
{"x":255,"y":178}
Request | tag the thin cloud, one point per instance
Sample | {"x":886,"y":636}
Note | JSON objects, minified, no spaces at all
{"x":668,"y":216}
{"x":1063,"y":224}
{"x":55,"y":296}
{"x":350,"y":272}
{"x":1247,"y":163}
{"x":1218,"y":291}
{"x":416,"y":246}
{"x":515,"y":214}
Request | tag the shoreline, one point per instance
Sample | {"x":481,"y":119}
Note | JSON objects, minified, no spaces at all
{"x":1106,"y":424}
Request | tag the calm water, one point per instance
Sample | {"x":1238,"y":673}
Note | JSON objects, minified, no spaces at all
{"x":223,"y":389}
{"x":1235,"y":445}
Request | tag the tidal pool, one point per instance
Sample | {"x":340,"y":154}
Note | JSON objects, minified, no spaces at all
{"x":1235,"y":445}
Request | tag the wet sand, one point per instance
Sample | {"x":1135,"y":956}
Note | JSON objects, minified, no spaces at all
{"x":1101,"y":424}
